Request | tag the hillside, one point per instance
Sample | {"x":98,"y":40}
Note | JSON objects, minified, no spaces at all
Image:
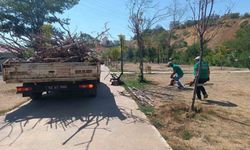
{"x":224,"y":32}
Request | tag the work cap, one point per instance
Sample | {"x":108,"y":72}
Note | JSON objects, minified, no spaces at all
{"x":197,"y":58}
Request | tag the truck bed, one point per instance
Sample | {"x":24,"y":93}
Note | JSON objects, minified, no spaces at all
{"x":26,"y":72}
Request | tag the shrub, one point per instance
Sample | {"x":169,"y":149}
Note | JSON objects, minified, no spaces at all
{"x":187,"y":135}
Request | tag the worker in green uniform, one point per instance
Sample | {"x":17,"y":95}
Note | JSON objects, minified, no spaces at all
{"x":204,"y":77}
{"x":176,"y":75}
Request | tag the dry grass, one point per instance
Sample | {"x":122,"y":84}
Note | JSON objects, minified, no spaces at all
{"x":162,"y":68}
{"x":224,"y":121}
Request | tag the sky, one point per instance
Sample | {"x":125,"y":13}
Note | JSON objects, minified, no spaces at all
{"x":89,"y":16}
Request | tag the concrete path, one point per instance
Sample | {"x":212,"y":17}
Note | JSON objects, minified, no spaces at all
{"x":108,"y":122}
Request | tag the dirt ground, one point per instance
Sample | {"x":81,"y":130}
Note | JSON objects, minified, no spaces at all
{"x":8,"y":97}
{"x":223,"y":121}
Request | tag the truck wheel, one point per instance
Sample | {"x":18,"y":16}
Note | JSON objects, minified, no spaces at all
{"x":36,"y":96}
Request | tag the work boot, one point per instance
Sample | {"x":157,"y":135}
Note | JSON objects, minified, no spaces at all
{"x":181,"y":87}
{"x":205,"y":96}
{"x":199,"y":97}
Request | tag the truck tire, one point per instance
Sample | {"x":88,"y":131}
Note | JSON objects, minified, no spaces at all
{"x":36,"y":96}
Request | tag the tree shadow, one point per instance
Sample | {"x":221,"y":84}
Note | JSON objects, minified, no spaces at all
{"x":220,"y":103}
{"x":64,"y":111}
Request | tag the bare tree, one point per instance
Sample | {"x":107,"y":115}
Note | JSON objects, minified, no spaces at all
{"x":140,"y":20}
{"x":176,"y":11}
{"x":202,"y":11}
{"x":101,"y":35}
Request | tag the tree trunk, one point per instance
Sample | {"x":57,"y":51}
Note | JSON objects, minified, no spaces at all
{"x":122,"y":46}
{"x":141,"y":49}
{"x":158,"y":57}
{"x":221,"y":65}
{"x":141,"y":46}
{"x":198,"y":72}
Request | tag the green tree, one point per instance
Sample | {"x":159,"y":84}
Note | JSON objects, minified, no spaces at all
{"x":192,"y":52}
{"x":218,"y":57}
{"x":156,"y":39}
{"x":240,"y":48}
{"x":22,"y":20}
{"x":246,"y":15}
{"x":130,"y":54}
{"x":187,"y":56}
{"x":114,"y":53}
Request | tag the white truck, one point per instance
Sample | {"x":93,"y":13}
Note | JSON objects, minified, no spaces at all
{"x":54,"y":76}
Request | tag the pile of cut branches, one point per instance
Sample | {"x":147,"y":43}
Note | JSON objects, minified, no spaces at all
{"x":142,"y":97}
{"x":67,"y":51}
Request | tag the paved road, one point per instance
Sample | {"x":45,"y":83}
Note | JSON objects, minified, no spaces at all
{"x":108,"y":122}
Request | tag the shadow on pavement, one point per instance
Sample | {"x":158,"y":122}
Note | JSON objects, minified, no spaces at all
{"x":64,"y":110}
